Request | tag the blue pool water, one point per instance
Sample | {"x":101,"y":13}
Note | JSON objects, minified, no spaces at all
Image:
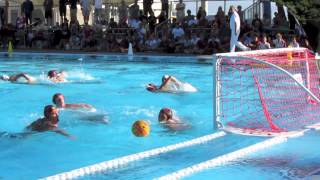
{"x":115,"y":86}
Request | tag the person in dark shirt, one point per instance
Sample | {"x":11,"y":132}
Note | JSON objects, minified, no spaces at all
{"x":62,"y":9}
{"x":48,"y":5}
{"x":27,"y":8}
{"x":73,"y":10}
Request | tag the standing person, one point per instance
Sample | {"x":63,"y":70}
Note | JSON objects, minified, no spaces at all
{"x":73,"y":10}
{"x":48,"y":5}
{"x":85,"y":10}
{"x":1,"y":16}
{"x":180,"y":7}
{"x":165,"y":7}
{"x":133,"y":13}
{"x":97,"y":11}
{"x":27,"y":8}
{"x":123,"y":12}
{"x":235,"y":30}
{"x":62,"y":10}
{"x":147,"y":7}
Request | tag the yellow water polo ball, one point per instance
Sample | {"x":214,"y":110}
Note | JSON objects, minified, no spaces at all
{"x":141,"y":128}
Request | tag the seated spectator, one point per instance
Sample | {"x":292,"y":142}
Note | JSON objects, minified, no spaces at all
{"x":306,"y":44}
{"x":152,"y":42}
{"x":279,"y":42}
{"x":264,"y":44}
{"x":87,"y":37}
{"x":294,"y":43}
{"x":177,"y":31}
{"x":254,"y":45}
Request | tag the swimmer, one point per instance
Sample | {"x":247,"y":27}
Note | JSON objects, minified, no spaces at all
{"x":49,"y":122}
{"x":167,"y":119}
{"x":16,"y":77}
{"x":165,"y":86}
{"x":171,"y":84}
{"x":58,"y":100}
{"x":56,"y":77}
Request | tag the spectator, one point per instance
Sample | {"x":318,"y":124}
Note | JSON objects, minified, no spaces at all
{"x":1,"y":16}
{"x":147,"y":7}
{"x":180,"y":7}
{"x":306,"y":44}
{"x":264,"y":43}
{"x":27,"y":8}
{"x":220,"y":16}
{"x":177,"y":32}
{"x":239,"y":9}
{"x":201,"y":13}
{"x":73,"y":10}
{"x":165,"y":7}
{"x":162,"y":17}
{"x":254,"y":45}
{"x":62,"y":9}
{"x":97,"y":11}
{"x":152,"y":20}
{"x":257,"y":24}
{"x":123,"y":12}
{"x":279,"y":42}
{"x":85,"y":10}
{"x":48,"y":5}
{"x":294,"y":43}
{"x":133,"y":13}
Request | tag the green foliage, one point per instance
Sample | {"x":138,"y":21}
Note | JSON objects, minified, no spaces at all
{"x":304,"y":10}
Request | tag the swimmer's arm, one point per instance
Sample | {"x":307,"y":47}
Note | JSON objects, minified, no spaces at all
{"x":175,"y":81}
{"x":80,"y":105}
{"x":164,"y":85}
{"x":62,"y":132}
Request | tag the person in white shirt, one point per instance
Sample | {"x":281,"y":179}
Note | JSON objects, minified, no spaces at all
{"x":279,"y":42}
{"x":177,"y":32}
{"x":97,"y":11}
{"x":235,"y":30}
{"x":180,"y":7}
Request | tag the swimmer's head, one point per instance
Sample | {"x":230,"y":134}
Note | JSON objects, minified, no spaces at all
{"x":52,"y":73}
{"x":50,"y":112}
{"x":58,"y":99}
{"x":4,"y":77}
{"x":165,"y":114}
{"x":165,"y":77}
{"x":152,"y":87}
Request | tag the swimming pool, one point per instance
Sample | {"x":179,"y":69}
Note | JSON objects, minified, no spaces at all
{"x":115,"y":86}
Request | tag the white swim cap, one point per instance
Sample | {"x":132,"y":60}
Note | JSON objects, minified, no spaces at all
{"x":166,"y":76}
{"x":4,"y":77}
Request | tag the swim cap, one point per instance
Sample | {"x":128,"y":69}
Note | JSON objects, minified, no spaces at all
{"x":165,"y":77}
{"x":52,"y":73}
{"x":4,"y":77}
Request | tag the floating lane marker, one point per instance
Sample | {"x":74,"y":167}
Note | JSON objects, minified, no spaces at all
{"x":221,"y":160}
{"x":130,"y":158}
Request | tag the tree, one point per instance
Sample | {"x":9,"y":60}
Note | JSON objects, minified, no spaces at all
{"x":308,"y":13}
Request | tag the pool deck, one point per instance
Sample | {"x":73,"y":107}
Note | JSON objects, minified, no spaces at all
{"x":52,"y":51}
